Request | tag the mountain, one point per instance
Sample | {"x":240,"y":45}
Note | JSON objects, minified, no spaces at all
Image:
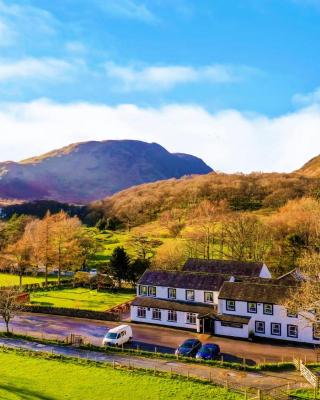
{"x":87,"y":171}
{"x":311,"y":168}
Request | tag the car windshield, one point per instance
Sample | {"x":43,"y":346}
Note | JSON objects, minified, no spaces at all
{"x":206,"y":350}
{"x":188,"y":344}
{"x":111,"y":335}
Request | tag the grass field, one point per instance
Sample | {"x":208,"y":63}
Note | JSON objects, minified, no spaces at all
{"x":81,"y":298}
{"x":11,"y":280}
{"x":305,"y":394}
{"x":31,"y":378}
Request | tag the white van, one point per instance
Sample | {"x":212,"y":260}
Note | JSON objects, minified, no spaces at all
{"x":118,"y":336}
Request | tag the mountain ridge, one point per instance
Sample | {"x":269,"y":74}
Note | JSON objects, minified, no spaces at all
{"x":87,"y":171}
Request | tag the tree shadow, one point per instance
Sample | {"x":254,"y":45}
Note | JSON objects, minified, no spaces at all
{"x":26,"y":394}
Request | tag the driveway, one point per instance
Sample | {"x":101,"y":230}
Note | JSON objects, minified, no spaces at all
{"x":150,"y":336}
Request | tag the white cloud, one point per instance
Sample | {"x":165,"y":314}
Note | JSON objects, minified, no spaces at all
{"x":6,"y":34}
{"x":131,"y":9}
{"x":227,"y":140}
{"x":155,"y":78}
{"x":33,"y":68}
{"x":307,"y":98}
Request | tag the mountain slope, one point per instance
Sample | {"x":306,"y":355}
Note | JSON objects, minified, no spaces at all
{"x":311,"y":168}
{"x":91,"y":170}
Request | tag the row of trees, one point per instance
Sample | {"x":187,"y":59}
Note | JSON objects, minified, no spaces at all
{"x":57,"y":241}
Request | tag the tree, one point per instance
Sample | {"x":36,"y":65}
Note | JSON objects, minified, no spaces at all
{"x":144,"y":246}
{"x":137,"y":268}
{"x":170,"y":256}
{"x":119,"y":265}
{"x":88,"y":245}
{"x":10,"y":305}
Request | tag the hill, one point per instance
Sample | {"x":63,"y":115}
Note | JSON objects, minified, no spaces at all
{"x":84,"y":172}
{"x":311,"y":168}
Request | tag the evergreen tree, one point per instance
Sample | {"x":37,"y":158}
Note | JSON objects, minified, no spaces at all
{"x":120,"y":265}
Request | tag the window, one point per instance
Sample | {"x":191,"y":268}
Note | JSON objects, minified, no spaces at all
{"x":292,"y":331}
{"x":275,"y":329}
{"x":316,"y":330}
{"x":172,"y":293}
{"x":190,"y":295}
{"x":152,"y":291}
{"x":232,"y":324}
{"x":292,"y":314}
{"x":141,"y":312}
{"x":172,"y":316}
{"x":252,"y":307}
{"x":143,"y":290}
{"x":208,"y":297}
{"x":156,"y":313}
{"x":231,"y":305}
{"x":268,"y":309}
{"x":260,"y":327}
{"x":191,"y":318}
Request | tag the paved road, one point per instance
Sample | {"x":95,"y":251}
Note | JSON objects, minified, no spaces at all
{"x":147,"y":336}
{"x":217,"y":375}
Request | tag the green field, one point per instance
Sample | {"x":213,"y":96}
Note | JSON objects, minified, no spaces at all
{"x":11,"y":280}
{"x":32,"y":378}
{"x":81,"y":298}
{"x":305,"y":394}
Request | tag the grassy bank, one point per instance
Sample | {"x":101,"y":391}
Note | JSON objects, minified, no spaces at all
{"x":12,"y":280}
{"x":30,"y":376}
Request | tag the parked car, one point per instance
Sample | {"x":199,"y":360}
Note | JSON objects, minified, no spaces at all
{"x":208,"y":351}
{"x":93,"y":271}
{"x":188,"y":348}
{"x":117,"y":336}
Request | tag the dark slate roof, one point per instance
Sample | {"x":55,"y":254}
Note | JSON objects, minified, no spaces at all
{"x":232,"y":318}
{"x":293,"y":277}
{"x":235,"y":268}
{"x":152,"y":302}
{"x":183,"y":279}
{"x":256,"y":292}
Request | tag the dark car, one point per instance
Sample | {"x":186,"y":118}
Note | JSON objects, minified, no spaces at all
{"x":188,"y":348}
{"x":208,"y":351}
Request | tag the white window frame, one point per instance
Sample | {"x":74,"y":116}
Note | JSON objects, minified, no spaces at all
{"x":264,"y":309}
{"x":141,"y":289}
{"x":172,"y":316}
{"x":191,"y":318}
{"x":255,"y":308}
{"x":205,"y":297}
{"x":170,"y":290}
{"x":141,"y":312}
{"x":272,"y":325}
{"x":256,"y":327}
{"x":193,"y":294}
{"x":230,"y":308}
{"x":296,"y":334}
{"x":152,"y":289}
{"x":156,"y":314}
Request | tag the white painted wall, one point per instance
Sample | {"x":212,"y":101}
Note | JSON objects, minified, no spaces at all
{"x":162,"y":293}
{"x":305,"y":332}
{"x":265,"y":273}
{"x":229,"y":331}
{"x":181,"y":319}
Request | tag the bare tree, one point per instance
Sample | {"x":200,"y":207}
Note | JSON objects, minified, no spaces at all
{"x":10,"y":304}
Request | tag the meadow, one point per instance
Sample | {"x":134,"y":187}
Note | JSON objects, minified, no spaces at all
{"x":81,"y":298}
{"x":34,"y":378}
{"x":12,"y":280}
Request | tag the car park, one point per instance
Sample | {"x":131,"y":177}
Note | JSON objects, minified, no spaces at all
{"x":188,"y":348}
{"x":208,"y":351}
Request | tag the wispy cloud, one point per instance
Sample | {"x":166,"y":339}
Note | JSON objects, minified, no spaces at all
{"x":155,"y":78}
{"x":33,"y":68}
{"x":306,"y":99}
{"x":130,"y":9}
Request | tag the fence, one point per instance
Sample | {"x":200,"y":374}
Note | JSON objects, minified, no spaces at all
{"x":306,"y":372}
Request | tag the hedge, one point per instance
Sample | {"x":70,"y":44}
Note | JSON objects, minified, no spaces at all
{"x":73,"y":312}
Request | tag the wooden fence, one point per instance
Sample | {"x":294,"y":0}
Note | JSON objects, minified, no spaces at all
{"x":310,"y":377}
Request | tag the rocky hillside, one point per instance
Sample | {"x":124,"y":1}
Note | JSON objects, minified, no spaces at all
{"x":87,"y":171}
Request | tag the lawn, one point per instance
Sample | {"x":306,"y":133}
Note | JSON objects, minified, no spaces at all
{"x":11,"y":280}
{"x":32,"y":378}
{"x":81,"y":298}
{"x":305,"y":394}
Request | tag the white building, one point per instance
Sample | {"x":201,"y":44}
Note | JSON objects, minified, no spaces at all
{"x":223,"y":298}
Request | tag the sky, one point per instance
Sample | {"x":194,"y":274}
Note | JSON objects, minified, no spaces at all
{"x":235,"y":82}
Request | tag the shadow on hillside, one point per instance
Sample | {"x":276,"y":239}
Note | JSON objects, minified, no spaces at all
{"x":26,"y":394}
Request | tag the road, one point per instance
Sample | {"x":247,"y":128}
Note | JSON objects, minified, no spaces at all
{"x":150,"y":336}
{"x":234,"y":379}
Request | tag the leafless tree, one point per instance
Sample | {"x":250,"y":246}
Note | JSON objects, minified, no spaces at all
{"x":10,"y":304}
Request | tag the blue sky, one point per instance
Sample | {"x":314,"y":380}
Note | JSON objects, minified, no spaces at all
{"x":226,"y":74}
